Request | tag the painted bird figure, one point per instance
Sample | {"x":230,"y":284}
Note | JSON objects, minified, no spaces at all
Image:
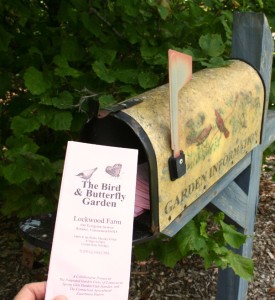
{"x":87,"y":174}
{"x":220,"y":124}
{"x":201,"y":137}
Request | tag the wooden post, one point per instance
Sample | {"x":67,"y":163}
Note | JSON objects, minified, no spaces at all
{"x":252,"y":43}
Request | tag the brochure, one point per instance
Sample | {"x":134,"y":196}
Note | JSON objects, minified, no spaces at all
{"x":91,"y":251}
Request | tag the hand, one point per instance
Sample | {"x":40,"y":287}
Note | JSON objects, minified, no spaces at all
{"x":35,"y":291}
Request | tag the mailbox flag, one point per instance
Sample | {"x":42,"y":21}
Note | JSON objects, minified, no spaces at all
{"x":180,"y":72}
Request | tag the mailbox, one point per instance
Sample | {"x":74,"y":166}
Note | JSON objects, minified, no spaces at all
{"x":220,"y":121}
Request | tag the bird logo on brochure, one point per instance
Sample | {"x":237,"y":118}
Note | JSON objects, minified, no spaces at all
{"x":87,"y":174}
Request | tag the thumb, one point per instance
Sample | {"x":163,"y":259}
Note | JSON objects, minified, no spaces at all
{"x":60,"y":297}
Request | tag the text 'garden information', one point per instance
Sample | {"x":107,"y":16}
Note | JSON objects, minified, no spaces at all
{"x":91,"y":252}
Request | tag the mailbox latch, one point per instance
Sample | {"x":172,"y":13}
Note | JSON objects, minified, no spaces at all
{"x":177,"y":166}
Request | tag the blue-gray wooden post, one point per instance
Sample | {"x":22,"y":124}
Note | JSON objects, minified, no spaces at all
{"x":237,"y":193}
{"x":253,"y":43}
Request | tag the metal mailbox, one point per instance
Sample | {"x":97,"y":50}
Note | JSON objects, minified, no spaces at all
{"x":220,"y":121}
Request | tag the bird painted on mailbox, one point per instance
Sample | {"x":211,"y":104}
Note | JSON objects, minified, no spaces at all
{"x":220,"y":124}
{"x":201,"y":137}
{"x":87,"y":174}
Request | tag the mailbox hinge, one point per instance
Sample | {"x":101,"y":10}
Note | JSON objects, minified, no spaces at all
{"x":118,"y":107}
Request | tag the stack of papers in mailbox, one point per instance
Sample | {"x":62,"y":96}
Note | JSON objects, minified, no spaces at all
{"x":142,"y":201}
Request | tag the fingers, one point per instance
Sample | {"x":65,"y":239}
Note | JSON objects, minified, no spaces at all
{"x":35,"y":291}
{"x":60,"y":298}
{"x":32,"y":291}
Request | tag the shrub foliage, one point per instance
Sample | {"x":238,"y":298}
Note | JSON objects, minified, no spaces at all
{"x":58,"y":56}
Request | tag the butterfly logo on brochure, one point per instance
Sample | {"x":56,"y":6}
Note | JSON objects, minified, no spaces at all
{"x":103,"y":194}
{"x":114,"y":171}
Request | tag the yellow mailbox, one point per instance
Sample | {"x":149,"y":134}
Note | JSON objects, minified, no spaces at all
{"x":220,"y":119}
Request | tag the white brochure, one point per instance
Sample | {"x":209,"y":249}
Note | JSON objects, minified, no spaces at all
{"x":91,"y":251}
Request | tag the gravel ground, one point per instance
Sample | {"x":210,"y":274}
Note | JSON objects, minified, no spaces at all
{"x":151,"y":280}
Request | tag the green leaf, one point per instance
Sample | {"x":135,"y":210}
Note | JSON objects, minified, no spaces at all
{"x":40,"y":167}
{"x":106,"y":100}
{"x":64,"y":101}
{"x":242,"y":266}
{"x":5,"y":38}
{"x":163,"y":12}
{"x":234,"y":238}
{"x":143,"y":251}
{"x":28,"y":166}
{"x":44,"y":114}
{"x":71,"y":49}
{"x":61,"y":120}
{"x":148,"y":52}
{"x":203,"y":229}
{"x":188,"y":238}
{"x":184,"y":238}
{"x":67,"y":13}
{"x":17,"y":172}
{"x":226,"y":19}
{"x":63,"y":69}
{"x":154,"y":55}
{"x":21,"y":124}
{"x":196,"y":11}
{"x":168,"y":253}
{"x":102,"y":72}
{"x":91,"y":24}
{"x":203,"y":217}
{"x":218,"y":217}
{"x":127,"y":75}
{"x":146,"y":14}
{"x":40,"y":204}
{"x":212,"y":44}
{"x":164,"y":9}
{"x":107,"y":56}
{"x":26,"y":202}
{"x":128,"y":7}
{"x":215,"y":62}
{"x":80,"y":4}
{"x":20,"y":145}
{"x":58,"y":166}
{"x":16,"y":200}
{"x":128,"y":89}
{"x":35,"y":51}
{"x":21,"y":11}
{"x":35,"y":81}
{"x":148,"y":79}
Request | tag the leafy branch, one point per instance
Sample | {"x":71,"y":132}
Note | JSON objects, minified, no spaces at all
{"x":208,"y":236}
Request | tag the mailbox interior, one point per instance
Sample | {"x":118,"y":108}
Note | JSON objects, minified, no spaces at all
{"x":120,"y":130}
